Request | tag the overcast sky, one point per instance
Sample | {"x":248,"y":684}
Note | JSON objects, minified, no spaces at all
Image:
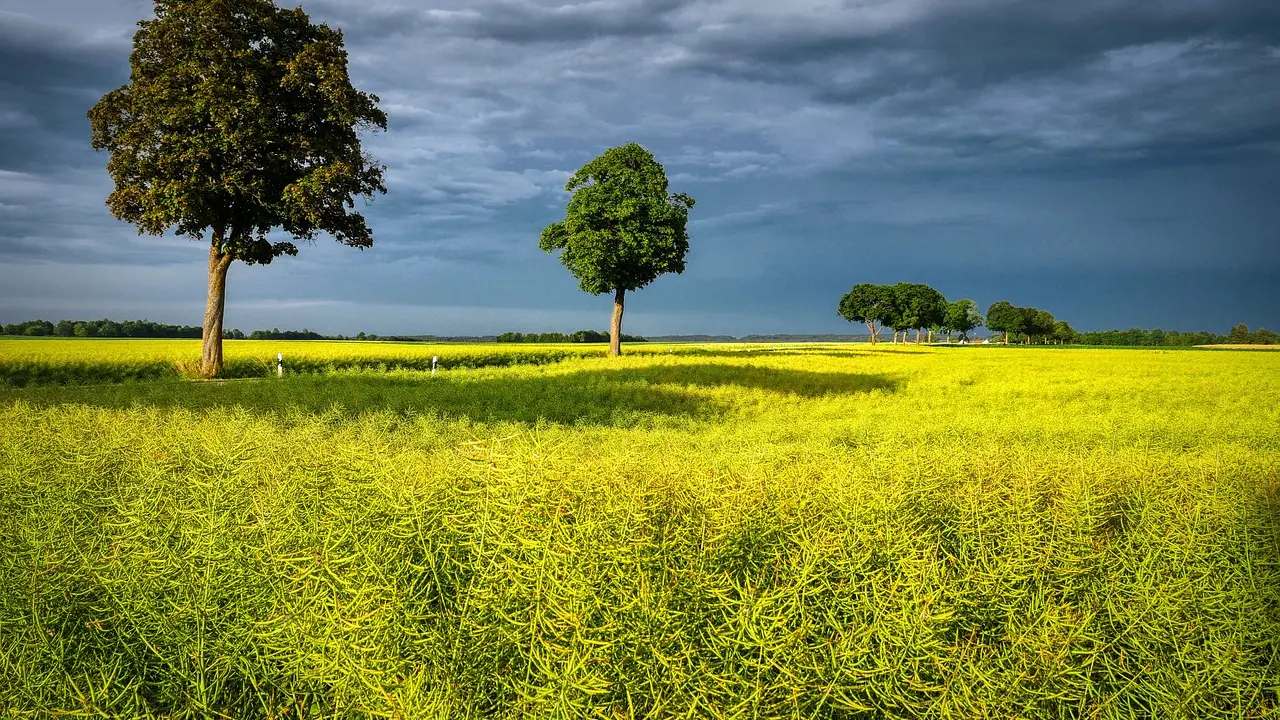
{"x":1115,"y":162}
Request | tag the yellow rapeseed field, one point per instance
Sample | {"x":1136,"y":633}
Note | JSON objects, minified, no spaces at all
{"x":78,"y":360}
{"x":695,"y":531}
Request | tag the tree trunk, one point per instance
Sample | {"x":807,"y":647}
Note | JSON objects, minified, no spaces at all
{"x":211,"y":348}
{"x":615,"y":327}
{"x":1006,"y":337}
{"x":917,"y":336}
{"x":871,"y":327}
{"x":930,"y":336}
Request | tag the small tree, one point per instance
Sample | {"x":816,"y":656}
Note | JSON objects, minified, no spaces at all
{"x":871,"y":305}
{"x":239,"y":117}
{"x":962,"y":316}
{"x":622,"y":230}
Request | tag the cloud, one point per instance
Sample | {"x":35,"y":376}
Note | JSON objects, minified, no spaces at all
{"x":823,"y":141}
{"x":933,"y":80}
{"x":50,"y":80}
{"x":514,"y":21}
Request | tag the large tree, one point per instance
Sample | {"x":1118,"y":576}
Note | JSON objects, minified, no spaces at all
{"x":962,"y":316}
{"x":1042,"y":325}
{"x":239,"y":117}
{"x":621,"y":228}
{"x":871,"y":305}
{"x":1005,"y":318}
{"x":921,"y":306}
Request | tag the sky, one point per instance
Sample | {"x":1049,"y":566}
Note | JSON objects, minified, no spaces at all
{"x":1115,"y":162}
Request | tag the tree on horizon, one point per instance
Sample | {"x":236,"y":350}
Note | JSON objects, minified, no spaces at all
{"x":622,"y":229}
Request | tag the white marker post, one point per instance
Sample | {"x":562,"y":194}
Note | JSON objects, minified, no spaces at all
{"x":434,"y":358}
{"x":279,"y":364}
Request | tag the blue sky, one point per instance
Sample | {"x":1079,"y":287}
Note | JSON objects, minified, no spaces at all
{"x":1116,"y":163}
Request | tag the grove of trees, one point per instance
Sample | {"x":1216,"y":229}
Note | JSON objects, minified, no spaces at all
{"x":907,"y":306}
{"x":622,"y":229}
{"x":239,"y":117}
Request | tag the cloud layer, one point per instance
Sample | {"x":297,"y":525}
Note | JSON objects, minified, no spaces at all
{"x":1098,"y":147}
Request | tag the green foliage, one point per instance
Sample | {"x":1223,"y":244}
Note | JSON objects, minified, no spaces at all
{"x":278,"y":334}
{"x":1240,"y":335}
{"x":595,"y":336}
{"x":872,"y":305}
{"x":905,"y":306}
{"x":962,"y":316}
{"x":238,"y":117}
{"x":621,"y":229}
{"x":1004,"y":318}
{"x":1064,"y":333}
{"x":1040,"y":323}
{"x":1091,"y":534}
{"x":581,"y":336}
{"x":1026,"y":323}
{"x":108,"y":329}
{"x":916,"y":307}
{"x":1138,"y":337}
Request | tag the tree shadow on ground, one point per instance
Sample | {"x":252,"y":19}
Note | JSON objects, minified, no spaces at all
{"x":607,"y":397}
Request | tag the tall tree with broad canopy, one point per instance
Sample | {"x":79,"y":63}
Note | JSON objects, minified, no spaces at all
{"x":621,"y":228}
{"x":1042,"y":325}
{"x":239,"y":117}
{"x":1004,"y":318}
{"x":962,"y":316}
{"x":921,"y":306}
{"x":871,"y":305}
{"x":1033,"y":323}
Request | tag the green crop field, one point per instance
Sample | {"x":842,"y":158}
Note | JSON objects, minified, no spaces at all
{"x":688,"y":531}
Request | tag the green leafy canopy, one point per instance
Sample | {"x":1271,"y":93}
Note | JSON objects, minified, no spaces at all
{"x":239,"y":117}
{"x":621,"y":229}
{"x":869,"y":303}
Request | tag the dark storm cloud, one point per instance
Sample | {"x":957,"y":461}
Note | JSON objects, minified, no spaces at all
{"x":1017,"y":78}
{"x":997,"y":148}
{"x":513,"y":21}
{"x":967,"y":45}
{"x":49,"y":80}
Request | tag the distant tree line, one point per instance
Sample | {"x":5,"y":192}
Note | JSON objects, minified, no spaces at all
{"x":581,"y":336}
{"x":278,"y":334}
{"x":1138,"y":337}
{"x":105,"y":328}
{"x":148,"y":329}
